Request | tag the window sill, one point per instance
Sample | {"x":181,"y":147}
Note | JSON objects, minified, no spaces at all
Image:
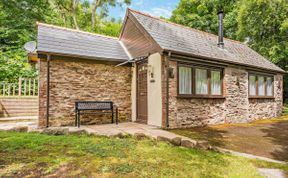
{"x":200,"y":97}
{"x":261,"y":97}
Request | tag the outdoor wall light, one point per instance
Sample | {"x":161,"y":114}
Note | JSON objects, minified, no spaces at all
{"x":151,"y":71}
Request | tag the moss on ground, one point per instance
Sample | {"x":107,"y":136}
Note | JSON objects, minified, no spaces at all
{"x":266,"y":138}
{"x":34,"y":155}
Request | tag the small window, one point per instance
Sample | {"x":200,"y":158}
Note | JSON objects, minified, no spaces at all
{"x":185,"y":80}
{"x":269,"y":82}
{"x":260,"y":86}
{"x":216,"y":83}
{"x":252,"y":85}
{"x":195,"y":81}
{"x":201,"y":82}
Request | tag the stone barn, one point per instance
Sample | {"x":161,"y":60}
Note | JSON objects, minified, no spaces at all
{"x":157,"y":73}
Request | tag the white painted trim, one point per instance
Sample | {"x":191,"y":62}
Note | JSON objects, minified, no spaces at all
{"x":125,"y":49}
{"x":133,"y":93}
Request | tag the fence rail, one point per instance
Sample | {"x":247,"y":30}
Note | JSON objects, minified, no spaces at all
{"x":24,"y":87}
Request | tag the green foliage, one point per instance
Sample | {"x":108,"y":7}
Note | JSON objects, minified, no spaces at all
{"x":18,"y":25}
{"x":264,"y":22}
{"x":202,"y":15}
{"x":261,"y":23}
{"x":14,"y":66}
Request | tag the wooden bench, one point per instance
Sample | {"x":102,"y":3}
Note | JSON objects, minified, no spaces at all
{"x":84,"y":107}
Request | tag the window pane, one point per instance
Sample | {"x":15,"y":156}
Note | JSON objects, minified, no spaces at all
{"x":201,"y":82}
{"x":185,"y":80}
{"x":252,"y":85}
{"x":269,"y":86}
{"x":216,"y":82}
{"x":261,"y":86}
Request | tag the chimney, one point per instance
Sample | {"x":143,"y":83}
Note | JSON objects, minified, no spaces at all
{"x":220,"y":29}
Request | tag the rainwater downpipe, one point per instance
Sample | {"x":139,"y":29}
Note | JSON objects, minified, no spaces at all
{"x":48,"y":90}
{"x":167,"y":89}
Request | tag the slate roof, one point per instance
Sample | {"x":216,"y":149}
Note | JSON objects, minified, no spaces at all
{"x":178,"y":38}
{"x":63,"y":41}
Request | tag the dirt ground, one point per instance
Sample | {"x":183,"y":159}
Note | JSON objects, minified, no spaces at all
{"x":268,"y":138}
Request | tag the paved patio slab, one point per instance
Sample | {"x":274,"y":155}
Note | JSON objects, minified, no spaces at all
{"x":271,"y":173}
{"x":130,"y":128}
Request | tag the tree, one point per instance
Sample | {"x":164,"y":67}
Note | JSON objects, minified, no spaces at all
{"x":202,"y":15}
{"x":104,"y":4}
{"x":17,"y":26}
{"x":265,"y":24}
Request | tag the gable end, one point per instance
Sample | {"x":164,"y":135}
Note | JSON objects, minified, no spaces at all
{"x":136,"y":40}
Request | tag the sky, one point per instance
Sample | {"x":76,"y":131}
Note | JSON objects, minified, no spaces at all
{"x":153,"y":7}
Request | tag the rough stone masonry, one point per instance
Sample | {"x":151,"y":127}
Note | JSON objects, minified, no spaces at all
{"x":236,"y":107}
{"x":83,"y":80}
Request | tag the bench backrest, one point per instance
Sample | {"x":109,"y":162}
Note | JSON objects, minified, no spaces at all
{"x":94,"y":105}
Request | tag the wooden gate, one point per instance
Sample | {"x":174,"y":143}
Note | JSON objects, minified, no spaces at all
{"x":142,"y":104}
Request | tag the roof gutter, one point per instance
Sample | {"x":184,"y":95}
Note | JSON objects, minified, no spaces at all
{"x":132,"y":60}
{"x":187,"y":55}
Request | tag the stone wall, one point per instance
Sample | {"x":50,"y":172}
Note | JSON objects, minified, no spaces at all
{"x":79,"y":80}
{"x":236,"y":107}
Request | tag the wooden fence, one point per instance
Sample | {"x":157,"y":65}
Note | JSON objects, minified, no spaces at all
{"x":24,"y":87}
{"x":16,"y":106}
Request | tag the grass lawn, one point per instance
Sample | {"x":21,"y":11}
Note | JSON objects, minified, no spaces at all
{"x":285,"y":109}
{"x":34,"y":155}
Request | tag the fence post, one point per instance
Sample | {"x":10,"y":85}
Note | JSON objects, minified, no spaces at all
{"x":4,"y":89}
{"x":29,"y":86}
{"x":9,"y":87}
{"x":34,"y":87}
{"x":25,"y":86}
{"x":20,"y":86}
{"x":13,"y":89}
{"x":38,"y":87}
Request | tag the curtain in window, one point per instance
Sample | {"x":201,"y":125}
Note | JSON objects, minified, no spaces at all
{"x":261,"y":86}
{"x":185,"y":80}
{"x":269,"y":86}
{"x":201,"y":82}
{"x":252,"y":85}
{"x":215,"y":82}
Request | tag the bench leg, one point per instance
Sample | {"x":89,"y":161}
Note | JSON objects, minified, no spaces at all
{"x":78,"y":122}
{"x":76,"y":113}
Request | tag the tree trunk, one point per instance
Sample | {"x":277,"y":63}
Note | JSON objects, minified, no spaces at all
{"x":93,"y":12}
{"x":63,"y":18}
{"x":73,"y":11}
